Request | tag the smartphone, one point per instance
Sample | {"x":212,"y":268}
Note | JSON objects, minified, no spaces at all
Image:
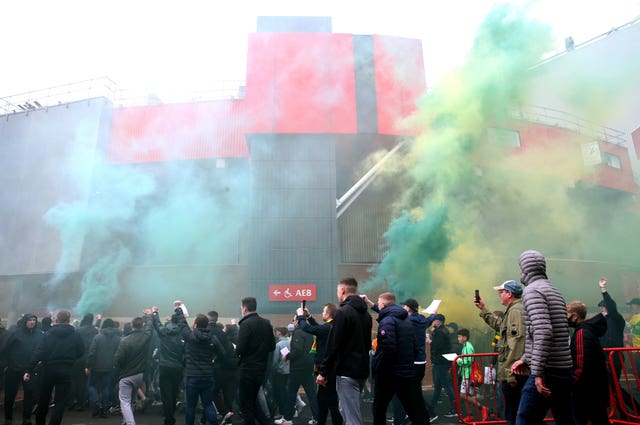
{"x":477,"y":296}
{"x":303,"y":304}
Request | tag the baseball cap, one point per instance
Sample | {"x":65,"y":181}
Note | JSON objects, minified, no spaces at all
{"x":633,"y":301}
{"x":511,"y":286}
{"x":412,"y":304}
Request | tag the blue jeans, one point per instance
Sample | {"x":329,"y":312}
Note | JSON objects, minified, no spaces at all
{"x":200,"y":387}
{"x":100,"y":388}
{"x":534,"y":406}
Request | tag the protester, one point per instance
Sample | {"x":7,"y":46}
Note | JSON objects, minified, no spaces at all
{"x":18,"y":347}
{"x":392,"y":366}
{"x":130,"y":359}
{"x":100,"y":368}
{"x":441,"y":344}
{"x":348,"y":350}
{"x":255,"y":343}
{"x":60,"y":348}
{"x":591,"y":385}
{"x":510,"y":343}
{"x":547,"y":352}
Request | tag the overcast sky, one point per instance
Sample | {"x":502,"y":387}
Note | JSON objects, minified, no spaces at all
{"x":167,"y":47}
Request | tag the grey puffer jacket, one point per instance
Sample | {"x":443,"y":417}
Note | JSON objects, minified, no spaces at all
{"x":545,"y":315}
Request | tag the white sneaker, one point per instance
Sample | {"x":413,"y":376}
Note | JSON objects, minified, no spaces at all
{"x":312,"y":422}
{"x":282,"y":421}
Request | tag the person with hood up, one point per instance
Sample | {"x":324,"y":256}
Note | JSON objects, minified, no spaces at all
{"x":591,"y":384}
{"x":547,"y":351}
{"x":17,"y":348}
{"x":100,"y":367}
{"x":393,"y":362}
{"x":79,"y":388}
{"x":348,"y":348}
{"x":59,"y":349}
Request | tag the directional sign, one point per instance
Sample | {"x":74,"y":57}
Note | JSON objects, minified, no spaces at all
{"x":292,"y":292}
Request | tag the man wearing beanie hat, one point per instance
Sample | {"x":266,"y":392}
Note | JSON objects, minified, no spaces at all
{"x":547,"y":352}
{"x":510,"y":344}
{"x":100,"y":367}
{"x":441,"y":344}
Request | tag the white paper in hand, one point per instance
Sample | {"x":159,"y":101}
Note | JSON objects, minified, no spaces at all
{"x":450,"y":356}
{"x":433,"y":307}
{"x":284,"y":351}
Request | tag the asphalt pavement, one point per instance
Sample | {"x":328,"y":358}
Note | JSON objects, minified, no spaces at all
{"x":153,"y":415}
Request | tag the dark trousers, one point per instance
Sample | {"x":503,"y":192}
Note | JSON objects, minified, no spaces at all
{"x":170,"y":380}
{"x":58,"y":377}
{"x":534,"y":406}
{"x":12,"y":380}
{"x":591,"y":408}
{"x":225,"y":389}
{"x":200,"y":387}
{"x":79,"y":387}
{"x":249,"y":384}
{"x":398,"y":411}
{"x":279,"y":386}
{"x":442,"y":378}
{"x":386,"y":387}
{"x":511,"y":396}
{"x":328,"y":402}
{"x":306,"y":379}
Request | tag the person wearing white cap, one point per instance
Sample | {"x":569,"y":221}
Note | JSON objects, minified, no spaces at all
{"x":510,"y":345}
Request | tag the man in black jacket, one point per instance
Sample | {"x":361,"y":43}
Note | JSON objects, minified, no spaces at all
{"x":590,"y":382}
{"x":60,"y":348}
{"x":225,"y":370}
{"x":100,"y":367}
{"x":171,"y":354}
{"x":131,"y":360}
{"x":348,"y":350}
{"x":326,"y":395}
{"x":18,"y":347}
{"x":201,"y":348}
{"x":441,"y":344}
{"x":392,"y":365}
{"x":300,"y":373}
{"x":614,"y":337}
{"x":255,"y":343}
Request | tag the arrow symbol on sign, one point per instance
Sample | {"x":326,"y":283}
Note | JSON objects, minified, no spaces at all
{"x":276,"y":292}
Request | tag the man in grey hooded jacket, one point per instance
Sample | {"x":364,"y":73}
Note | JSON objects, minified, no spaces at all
{"x":547,"y":350}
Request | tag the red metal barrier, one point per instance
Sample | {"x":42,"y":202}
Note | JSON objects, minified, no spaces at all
{"x":624,"y":385}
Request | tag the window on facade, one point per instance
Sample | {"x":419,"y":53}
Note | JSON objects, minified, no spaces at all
{"x":611,"y":160}
{"x":504,"y":136}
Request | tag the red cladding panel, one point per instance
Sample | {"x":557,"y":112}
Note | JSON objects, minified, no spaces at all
{"x":301,"y":83}
{"x":177,"y":132}
{"x":400,"y":81}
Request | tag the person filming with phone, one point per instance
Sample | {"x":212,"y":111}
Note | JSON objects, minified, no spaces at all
{"x":510,"y":345}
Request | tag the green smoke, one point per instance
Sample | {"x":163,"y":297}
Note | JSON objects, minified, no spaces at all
{"x":471,"y":205}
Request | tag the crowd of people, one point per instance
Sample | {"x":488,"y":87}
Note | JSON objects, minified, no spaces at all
{"x":257,"y":370}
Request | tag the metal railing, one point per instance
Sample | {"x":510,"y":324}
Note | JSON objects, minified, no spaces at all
{"x":566,"y":120}
{"x":106,"y":87}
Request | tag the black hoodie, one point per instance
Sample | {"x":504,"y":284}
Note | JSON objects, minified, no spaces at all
{"x":589,"y":362}
{"x":349,"y":341}
{"x":20,"y":343}
{"x":60,"y":348}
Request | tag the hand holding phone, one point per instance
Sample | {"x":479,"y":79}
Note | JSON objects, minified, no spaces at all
{"x":477,"y":296}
